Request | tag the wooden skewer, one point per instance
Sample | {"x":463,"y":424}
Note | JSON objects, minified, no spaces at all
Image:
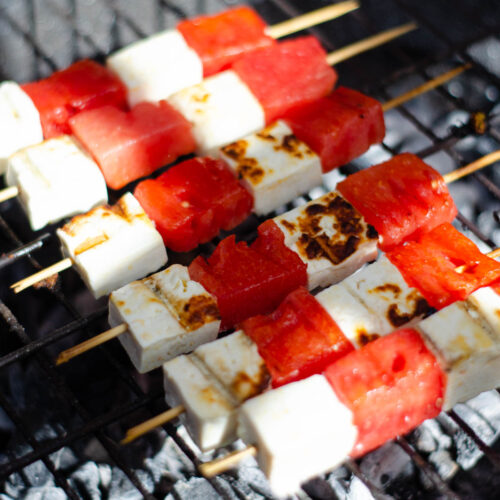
{"x":8,"y":193}
{"x":103,"y":337}
{"x":368,"y":43}
{"x":214,"y":467}
{"x":210,"y":469}
{"x":421,"y":89}
{"x":472,"y":167}
{"x":313,"y":18}
{"x":21,"y":285}
{"x":152,"y":423}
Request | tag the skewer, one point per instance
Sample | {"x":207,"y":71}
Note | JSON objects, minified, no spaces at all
{"x":214,"y":467}
{"x":8,"y":193}
{"x":313,"y":18}
{"x":368,"y":43}
{"x":21,"y":285}
{"x":149,"y":425}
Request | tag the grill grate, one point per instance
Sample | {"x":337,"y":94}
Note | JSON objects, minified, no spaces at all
{"x":82,"y":409}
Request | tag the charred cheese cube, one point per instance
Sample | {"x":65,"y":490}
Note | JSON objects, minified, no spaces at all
{"x":156,"y":67}
{"x":382,"y":288}
{"x":273,"y":165}
{"x":465,"y":337}
{"x":357,"y":322}
{"x":56,"y":179}
{"x":228,"y":371}
{"x":167,"y":314}
{"x":300,"y":430}
{"x":221,"y":109}
{"x":330,"y":236}
{"x":19,"y":121}
{"x":113,"y":245}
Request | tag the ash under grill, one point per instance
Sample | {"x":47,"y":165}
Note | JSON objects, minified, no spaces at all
{"x":59,"y":427}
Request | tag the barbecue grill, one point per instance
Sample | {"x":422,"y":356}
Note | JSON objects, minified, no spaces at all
{"x":59,"y":427}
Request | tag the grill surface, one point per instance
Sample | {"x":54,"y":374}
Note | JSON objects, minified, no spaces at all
{"x":59,"y":427}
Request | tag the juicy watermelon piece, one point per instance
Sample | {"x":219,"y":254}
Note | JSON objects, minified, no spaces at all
{"x":444,"y":265}
{"x":287,"y":75}
{"x":401,"y":198}
{"x":249,"y":280}
{"x":133,"y":144}
{"x":391,"y":385}
{"x":83,"y":85}
{"x":339,"y":127}
{"x":298,"y":339}
{"x":222,"y":38}
{"x":193,"y":201}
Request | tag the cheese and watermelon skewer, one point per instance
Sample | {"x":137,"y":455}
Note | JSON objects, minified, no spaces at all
{"x":38,"y":110}
{"x":305,"y":334}
{"x":162,"y":64}
{"x":315,"y":245}
{"x":373,"y":394}
{"x":259,"y":88}
{"x":274,"y":165}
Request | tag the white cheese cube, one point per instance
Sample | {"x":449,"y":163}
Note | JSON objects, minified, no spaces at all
{"x":235,"y":362}
{"x":300,"y":430}
{"x":330,"y":236}
{"x":167,"y":314}
{"x":221,"y":108}
{"x":358,"y":323}
{"x":56,"y":179}
{"x":487,"y":303}
{"x":209,"y":413}
{"x":468,"y":349}
{"x":156,"y":67}
{"x":383,"y":290}
{"x":19,"y":121}
{"x":274,"y":166}
{"x":113,"y":245}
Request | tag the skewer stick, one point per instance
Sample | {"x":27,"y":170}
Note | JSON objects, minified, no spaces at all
{"x":214,"y":467}
{"x":103,"y":337}
{"x":8,"y":193}
{"x":210,"y":469}
{"x":313,"y":18}
{"x":21,"y":285}
{"x":472,"y":167}
{"x":368,"y":43}
{"x":152,"y":423}
{"x":421,"y":89}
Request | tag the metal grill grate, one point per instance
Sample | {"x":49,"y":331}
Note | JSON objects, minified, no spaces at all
{"x":58,"y":423}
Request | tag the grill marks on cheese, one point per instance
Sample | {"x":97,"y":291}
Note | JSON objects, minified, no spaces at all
{"x":415,"y":305}
{"x":249,"y":168}
{"x":350,"y":231}
{"x":192,"y":313}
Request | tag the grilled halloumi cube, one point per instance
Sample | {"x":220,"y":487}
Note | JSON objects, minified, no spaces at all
{"x":300,"y":430}
{"x":113,"y":245}
{"x":19,"y":121}
{"x":465,"y":337}
{"x":167,"y":314}
{"x":228,"y":371}
{"x":382,"y":288}
{"x":56,"y":179}
{"x":357,"y":322}
{"x":209,"y":411}
{"x":221,"y":108}
{"x":330,"y":236}
{"x":273,"y":165}
{"x":156,"y":67}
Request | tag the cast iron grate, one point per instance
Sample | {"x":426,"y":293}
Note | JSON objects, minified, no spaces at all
{"x":57,"y":422}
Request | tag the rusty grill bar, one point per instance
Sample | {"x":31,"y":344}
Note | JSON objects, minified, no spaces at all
{"x":28,"y":342}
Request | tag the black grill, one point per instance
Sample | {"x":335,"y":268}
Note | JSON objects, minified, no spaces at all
{"x":59,"y":427}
